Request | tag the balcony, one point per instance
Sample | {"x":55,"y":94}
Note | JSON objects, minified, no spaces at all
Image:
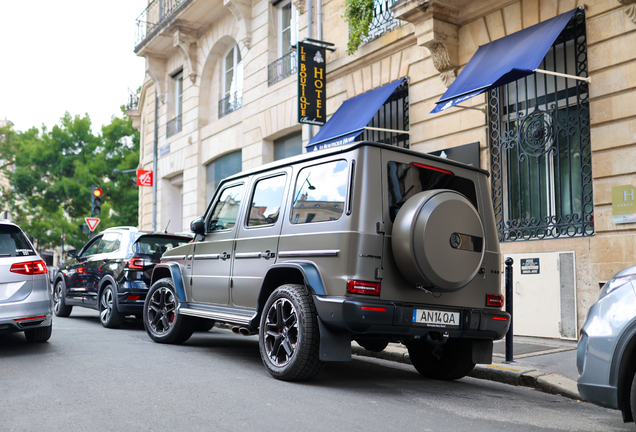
{"x":282,"y":68}
{"x":230,"y":103}
{"x":155,"y":17}
{"x":174,"y":126}
{"x":383,"y":20}
{"x":133,"y":101}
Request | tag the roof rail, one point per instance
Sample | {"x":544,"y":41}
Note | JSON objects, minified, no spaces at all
{"x":121,"y":228}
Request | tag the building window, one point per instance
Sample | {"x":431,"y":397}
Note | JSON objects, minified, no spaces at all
{"x":174,"y":125}
{"x":288,"y":146}
{"x":393,"y":115}
{"x":232,"y":82}
{"x":540,"y":147}
{"x":220,"y":168}
{"x":286,"y":65}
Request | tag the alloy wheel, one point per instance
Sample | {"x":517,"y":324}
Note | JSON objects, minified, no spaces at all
{"x":57,"y":298}
{"x":107,"y":305}
{"x":161,"y":311}
{"x":281,"y":332}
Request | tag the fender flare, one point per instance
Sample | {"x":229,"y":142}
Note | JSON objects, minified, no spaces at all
{"x":174,"y":270}
{"x":306,"y":272}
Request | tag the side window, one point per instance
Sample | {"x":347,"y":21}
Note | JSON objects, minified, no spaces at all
{"x":91,"y":248}
{"x":225,"y":211}
{"x":266,"y":201}
{"x":320,"y":193}
{"x":110,"y":243}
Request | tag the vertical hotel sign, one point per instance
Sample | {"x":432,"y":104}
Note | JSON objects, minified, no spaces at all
{"x":312,"y":92}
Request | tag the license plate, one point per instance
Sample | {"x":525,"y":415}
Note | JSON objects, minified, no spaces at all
{"x":436,"y":318}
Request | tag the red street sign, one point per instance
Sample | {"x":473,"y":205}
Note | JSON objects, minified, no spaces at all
{"x":92,"y":223}
{"x":144,"y":177}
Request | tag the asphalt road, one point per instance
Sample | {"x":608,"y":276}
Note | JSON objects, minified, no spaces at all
{"x":90,"y":378}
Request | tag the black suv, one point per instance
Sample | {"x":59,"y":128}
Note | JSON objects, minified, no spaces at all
{"x":111,"y":273}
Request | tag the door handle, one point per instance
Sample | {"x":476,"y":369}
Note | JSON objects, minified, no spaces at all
{"x":224,"y":256}
{"x":268,"y":255}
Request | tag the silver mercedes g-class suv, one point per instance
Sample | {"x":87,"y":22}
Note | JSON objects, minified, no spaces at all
{"x":363,"y":242}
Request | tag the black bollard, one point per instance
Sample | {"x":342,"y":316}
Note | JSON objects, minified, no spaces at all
{"x":509,"y":262}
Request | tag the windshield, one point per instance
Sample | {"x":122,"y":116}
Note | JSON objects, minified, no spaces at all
{"x":158,"y":245}
{"x":13,"y":243}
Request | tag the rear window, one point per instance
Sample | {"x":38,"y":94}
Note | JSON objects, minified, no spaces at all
{"x":13,"y":242}
{"x":158,"y":245}
{"x":406,"y":180}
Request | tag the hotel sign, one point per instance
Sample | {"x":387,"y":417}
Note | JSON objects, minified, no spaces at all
{"x":624,"y":204}
{"x":312,"y":92}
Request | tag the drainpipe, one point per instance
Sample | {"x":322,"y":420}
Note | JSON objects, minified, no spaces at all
{"x":310,"y":33}
{"x":154,"y":166}
{"x":319,"y":20}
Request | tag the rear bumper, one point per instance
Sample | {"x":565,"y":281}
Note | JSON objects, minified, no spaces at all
{"x":359,"y":316}
{"x":40,"y":312}
{"x":131,"y":297}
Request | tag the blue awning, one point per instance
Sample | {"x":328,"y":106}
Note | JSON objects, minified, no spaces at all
{"x":504,"y":61}
{"x":349,"y":121}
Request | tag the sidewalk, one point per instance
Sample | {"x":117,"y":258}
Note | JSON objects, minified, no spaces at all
{"x":548,"y":365}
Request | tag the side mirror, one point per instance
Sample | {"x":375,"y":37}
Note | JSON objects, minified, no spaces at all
{"x":197,"y":226}
{"x":72,"y":253}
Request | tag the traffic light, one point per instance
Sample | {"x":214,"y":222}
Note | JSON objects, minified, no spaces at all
{"x":96,"y":201}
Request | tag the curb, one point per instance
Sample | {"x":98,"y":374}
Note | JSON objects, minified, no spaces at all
{"x":499,"y":372}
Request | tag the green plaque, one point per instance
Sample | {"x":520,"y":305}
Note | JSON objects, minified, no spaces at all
{"x":624,"y":204}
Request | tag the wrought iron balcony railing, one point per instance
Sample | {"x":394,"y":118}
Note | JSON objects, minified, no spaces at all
{"x":174,"y":126}
{"x":282,"y":68}
{"x":157,"y":12}
{"x":230,"y":103}
{"x":383,"y":19}
{"x":133,"y":101}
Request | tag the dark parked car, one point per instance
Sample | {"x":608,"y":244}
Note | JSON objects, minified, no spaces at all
{"x":111,"y":273}
{"x":25,"y":296}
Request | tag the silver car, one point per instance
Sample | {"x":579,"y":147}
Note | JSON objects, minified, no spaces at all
{"x":606,"y":356}
{"x":26,"y":304}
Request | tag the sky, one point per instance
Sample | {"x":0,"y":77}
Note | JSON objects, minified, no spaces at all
{"x":67,"y":55}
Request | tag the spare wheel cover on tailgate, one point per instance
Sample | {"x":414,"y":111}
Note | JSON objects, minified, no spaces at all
{"x":438,"y":240}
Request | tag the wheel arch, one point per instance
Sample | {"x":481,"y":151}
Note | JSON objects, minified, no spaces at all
{"x":301,"y":273}
{"x":623,"y":369}
{"x":170,"y":270}
{"x":107,"y":280}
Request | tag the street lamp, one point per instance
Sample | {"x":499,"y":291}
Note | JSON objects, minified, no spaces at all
{"x":311,"y":187}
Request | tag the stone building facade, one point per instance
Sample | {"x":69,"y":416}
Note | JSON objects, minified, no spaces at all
{"x":218,"y":96}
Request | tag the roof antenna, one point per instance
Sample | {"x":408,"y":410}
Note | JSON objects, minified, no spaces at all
{"x":166,"y":230}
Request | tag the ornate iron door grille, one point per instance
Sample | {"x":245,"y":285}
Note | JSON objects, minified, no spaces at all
{"x":394,"y":114}
{"x":540,"y":147}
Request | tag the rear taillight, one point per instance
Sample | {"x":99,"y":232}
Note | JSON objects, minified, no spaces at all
{"x":362,"y":287}
{"x":494,"y":300}
{"x":139,"y":263}
{"x":29,"y":318}
{"x":29,"y":268}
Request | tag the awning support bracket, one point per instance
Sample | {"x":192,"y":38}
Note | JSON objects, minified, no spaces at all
{"x":472,"y":108}
{"x":575,"y":77}
{"x":388,"y":130}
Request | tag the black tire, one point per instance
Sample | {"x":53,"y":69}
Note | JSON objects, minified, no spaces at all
{"x":204,"y":325}
{"x":161,"y":320}
{"x":38,"y":335}
{"x":289,"y":338}
{"x":109,"y":316}
{"x":59,"y":304}
{"x":447,"y":362}
{"x":632,"y":398}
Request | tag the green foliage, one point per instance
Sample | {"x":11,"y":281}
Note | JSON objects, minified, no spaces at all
{"x":358,"y":14}
{"x":51,"y":174}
